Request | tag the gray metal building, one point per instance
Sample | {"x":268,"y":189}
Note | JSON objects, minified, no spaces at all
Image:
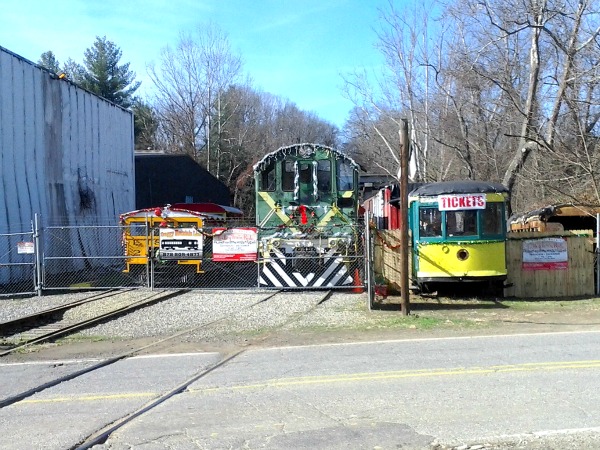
{"x":65,"y":153}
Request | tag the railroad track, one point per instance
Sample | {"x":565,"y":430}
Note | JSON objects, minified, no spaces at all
{"x":50,"y":324}
{"x":103,"y":434}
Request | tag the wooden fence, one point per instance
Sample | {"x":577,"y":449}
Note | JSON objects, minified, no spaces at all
{"x":573,"y":279}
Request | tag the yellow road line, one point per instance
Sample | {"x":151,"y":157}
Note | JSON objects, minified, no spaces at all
{"x":92,"y":398}
{"x":345,"y":378}
{"x":420,"y":373}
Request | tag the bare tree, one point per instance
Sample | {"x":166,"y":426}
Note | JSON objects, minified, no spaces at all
{"x":504,"y":90}
{"x":189,"y":82}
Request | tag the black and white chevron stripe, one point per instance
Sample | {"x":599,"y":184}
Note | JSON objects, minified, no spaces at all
{"x":278,"y":271}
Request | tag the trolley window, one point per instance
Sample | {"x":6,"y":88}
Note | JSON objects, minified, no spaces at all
{"x":267,"y":178}
{"x":287,"y":175}
{"x":430,"y":222}
{"x":461,"y":223}
{"x":345,"y":176}
{"x":493,"y":219}
{"x":324,"y":176}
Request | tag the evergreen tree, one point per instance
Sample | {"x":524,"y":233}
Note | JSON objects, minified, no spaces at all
{"x":104,"y":76}
{"x":145,"y":125}
{"x":48,"y":60}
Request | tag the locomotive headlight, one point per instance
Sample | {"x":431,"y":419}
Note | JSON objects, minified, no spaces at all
{"x":277,"y":243}
{"x":332,"y":243}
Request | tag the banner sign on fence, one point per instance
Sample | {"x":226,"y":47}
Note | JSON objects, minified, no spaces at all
{"x":545,"y":254}
{"x":235,"y":244}
{"x":180,"y":243}
{"x":25,"y":248}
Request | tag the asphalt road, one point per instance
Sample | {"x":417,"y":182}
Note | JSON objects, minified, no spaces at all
{"x":517,"y":391}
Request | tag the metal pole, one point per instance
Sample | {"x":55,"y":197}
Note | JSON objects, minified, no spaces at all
{"x":597,"y":254}
{"x":38,"y":256}
{"x":404,"y":299}
{"x":368,"y":261}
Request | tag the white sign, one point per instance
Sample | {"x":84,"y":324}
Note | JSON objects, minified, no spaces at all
{"x":545,"y":254}
{"x":463,"y":201}
{"x":25,"y":248}
{"x":235,"y":244}
{"x":180,"y":243}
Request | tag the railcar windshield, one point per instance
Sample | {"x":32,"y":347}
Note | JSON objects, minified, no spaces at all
{"x":137,"y":229}
{"x":345,"y":176}
{"x":461,"y":223}
{"x":430,"y":222}
{"x":324,"y":176}
{"x":456,"y":224}
{"x":288,"y":174}
{"x":267,"y":178}
{"x":493,"y":219}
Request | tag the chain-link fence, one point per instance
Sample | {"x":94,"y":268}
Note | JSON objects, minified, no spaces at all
{"x":231,"y":254}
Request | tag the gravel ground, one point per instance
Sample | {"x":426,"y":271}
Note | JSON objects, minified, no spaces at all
{"x":243,"y":312}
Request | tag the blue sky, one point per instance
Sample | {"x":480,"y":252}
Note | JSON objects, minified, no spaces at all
{"x":295,"y":49}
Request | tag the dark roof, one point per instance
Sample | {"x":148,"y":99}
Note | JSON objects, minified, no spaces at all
{"x":162,"y":179}
{"x":459,"y":187}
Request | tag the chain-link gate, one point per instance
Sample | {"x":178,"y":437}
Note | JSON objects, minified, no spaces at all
{"x":84,"y":257}
{"x":18,"y":268}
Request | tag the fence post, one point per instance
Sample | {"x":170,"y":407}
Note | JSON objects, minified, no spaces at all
{"x":368,"y":250}
{"x":597,"y":254}
{"x":38,"y":256}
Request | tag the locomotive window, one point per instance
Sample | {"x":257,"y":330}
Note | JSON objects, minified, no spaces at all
{"x":267,"y":178}
{"x":430,"y":222}
{"x":287,"y":176}
{"x":461,"y":223}
{"x":305,"y":172}
{"x":493,"y":219}
{"x":324,"y":176}
{"x":345,"y":176}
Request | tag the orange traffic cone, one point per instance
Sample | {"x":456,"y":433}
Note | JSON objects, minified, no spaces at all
{"x":357,"y":289}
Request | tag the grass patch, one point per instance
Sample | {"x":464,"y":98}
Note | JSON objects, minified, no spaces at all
{"x":415,"y":321}
{"x":553,"y":305}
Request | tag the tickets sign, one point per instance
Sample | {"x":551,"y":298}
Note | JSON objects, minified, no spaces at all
{"x":463,"y":201}
{"x":235,"y":244}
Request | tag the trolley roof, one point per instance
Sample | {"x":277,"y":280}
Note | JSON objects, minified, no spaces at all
{"x":459,"y":187}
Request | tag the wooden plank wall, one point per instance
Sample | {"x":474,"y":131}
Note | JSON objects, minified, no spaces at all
{"x":577,"y":280}
{"x":386,"y":257}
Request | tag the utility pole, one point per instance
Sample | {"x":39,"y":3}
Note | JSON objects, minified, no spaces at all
{"x":404,"y":152}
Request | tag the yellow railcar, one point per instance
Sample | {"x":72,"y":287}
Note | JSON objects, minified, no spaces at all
{"x":170,"y":235}
{"x":459,"y":235}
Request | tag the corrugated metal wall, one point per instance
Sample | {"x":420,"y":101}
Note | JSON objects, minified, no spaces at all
{"x":65,"y":153}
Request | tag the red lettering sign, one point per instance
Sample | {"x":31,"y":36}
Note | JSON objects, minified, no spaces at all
{"x":462,"y":201}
